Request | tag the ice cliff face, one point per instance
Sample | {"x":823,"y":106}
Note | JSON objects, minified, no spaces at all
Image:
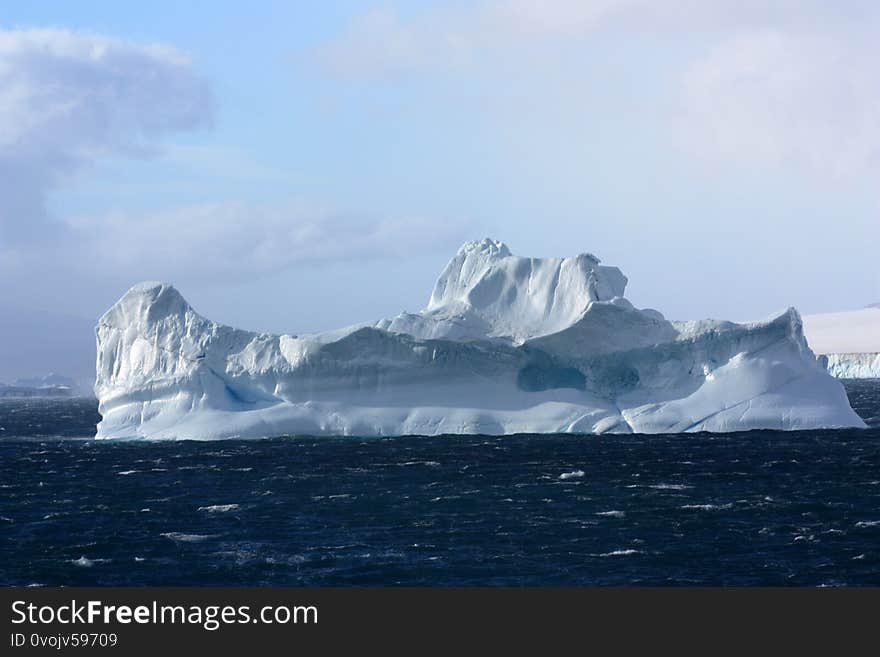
{"x":506,"y":345}
{"x":853,"y":366}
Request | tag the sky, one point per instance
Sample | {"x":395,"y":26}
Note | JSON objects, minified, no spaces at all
{"x":300,"y":166}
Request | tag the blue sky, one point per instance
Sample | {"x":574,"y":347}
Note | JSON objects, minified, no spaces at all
{"x":300,"y":166}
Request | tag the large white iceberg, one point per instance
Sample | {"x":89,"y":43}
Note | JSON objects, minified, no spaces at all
{"x":506,"y":345}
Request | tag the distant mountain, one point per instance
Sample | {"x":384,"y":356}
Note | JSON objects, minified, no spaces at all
{"x":34,"y":343}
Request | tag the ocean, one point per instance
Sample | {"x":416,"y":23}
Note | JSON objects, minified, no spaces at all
{"x":752,"y":508}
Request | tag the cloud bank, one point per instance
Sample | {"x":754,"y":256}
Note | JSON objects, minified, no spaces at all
{"x":792,"y":99}
{"x":235,"y":241}
{"x":380,"y":43}
{"x":777,"y":82}
{"x":67,"y":98}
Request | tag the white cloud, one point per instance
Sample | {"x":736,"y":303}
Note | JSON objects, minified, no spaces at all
{"x":87,"y":93}
{"x":782,"y":82}
{"x":67,"y":98}
{"x":780,"y":98}
{"x":379,"y":43}
{"x":70,"y":100}
{"x":238,"y":241}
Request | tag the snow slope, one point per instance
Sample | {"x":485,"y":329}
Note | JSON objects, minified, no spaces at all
{"x":850,"y":341}
{"x":506,"y":345}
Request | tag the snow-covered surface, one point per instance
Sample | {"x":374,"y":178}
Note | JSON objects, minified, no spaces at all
{"x":506,"y":345}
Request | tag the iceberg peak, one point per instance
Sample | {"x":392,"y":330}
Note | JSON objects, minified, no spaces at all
{"x":486,"y":246}
{"x":148,"y":302}
{"x":486,"y":291}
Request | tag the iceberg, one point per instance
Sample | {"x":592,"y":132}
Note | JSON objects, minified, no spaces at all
{"x":506,"y":344}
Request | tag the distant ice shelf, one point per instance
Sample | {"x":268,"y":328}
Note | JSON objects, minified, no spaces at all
{"x":506,"y":344}
{"x":852,"y":366}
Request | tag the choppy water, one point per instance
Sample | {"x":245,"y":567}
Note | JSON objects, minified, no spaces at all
{"x":769,"y":508}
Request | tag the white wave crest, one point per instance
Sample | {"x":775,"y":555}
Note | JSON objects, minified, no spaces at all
{"x":619,"y":553}
{"x":868,"y":523}
{"x":180,"y":537}
{"x":219,"y":508}
{"x":705,"y":507}
{"x":574,"y":474}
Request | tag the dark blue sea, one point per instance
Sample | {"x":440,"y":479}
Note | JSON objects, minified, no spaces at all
{"x":755,"y":508}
